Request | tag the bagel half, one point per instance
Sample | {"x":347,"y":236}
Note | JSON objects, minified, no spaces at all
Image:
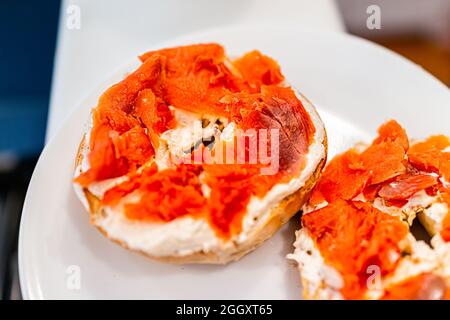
{"x":356,"y":240}
{"x":192,"y":237}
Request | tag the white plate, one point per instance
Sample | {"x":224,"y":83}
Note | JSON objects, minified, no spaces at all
{"x":357,"y":85}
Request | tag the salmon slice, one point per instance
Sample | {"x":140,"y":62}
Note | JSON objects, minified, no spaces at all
{"x":429,"y":155}
{"x":407,"y":185}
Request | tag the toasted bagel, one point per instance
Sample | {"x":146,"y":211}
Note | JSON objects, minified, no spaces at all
{"x":356,"y":240}
{"x":181,"y":213}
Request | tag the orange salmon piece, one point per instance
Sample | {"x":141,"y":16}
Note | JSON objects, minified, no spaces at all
{"x":429,"y":156}
{"x":342,"y":179}
{"x":352,"y":236}
{"x":406,"y":185}
{"x":258,"y":69}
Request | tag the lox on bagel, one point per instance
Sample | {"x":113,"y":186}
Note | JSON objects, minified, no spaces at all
{"x":356,"y":240}
{"x":137,"y":170}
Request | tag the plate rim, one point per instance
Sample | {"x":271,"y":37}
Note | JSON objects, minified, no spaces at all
{"x":28,"y":288}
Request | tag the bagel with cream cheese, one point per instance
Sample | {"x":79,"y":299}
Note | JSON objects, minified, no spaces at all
{"x":356,"y":240}
{"x":198,"y":158}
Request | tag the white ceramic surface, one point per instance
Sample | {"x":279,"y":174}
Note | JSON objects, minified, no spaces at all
{"x":356,"y":84}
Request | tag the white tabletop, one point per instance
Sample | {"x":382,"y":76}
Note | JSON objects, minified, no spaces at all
{"x":112,"y":31}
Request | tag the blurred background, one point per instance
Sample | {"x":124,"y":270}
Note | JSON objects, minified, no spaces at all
{"x":28,"y":31}
{"x":33,"y":33}
{"x":416,"y":29}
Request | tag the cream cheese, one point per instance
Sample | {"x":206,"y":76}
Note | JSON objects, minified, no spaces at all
{"x":321,"y":280}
